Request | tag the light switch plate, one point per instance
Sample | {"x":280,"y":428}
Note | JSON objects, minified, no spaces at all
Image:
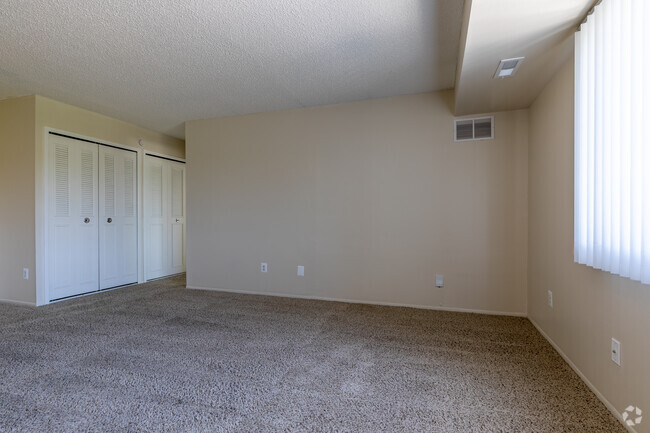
{"x":440,"y":280}
{"x":301,"y":271}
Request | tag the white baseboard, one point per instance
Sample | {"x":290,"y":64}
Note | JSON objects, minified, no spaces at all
{"x":19,"y":303}
{"x":356,"y":301}
{"x":575,"y":368}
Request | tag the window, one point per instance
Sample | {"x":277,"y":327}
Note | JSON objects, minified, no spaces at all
{"x":612,"y":139}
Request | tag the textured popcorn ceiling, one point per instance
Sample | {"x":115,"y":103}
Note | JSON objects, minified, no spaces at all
{"x":158,"y":63}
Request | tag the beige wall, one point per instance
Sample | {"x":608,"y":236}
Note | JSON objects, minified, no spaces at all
{"x":373,"y":198}
{"x":68,"y":118}
{"x":17,"y":198}
{"x":590,"y":306}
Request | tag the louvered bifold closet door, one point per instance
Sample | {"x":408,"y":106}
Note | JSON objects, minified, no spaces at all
{"x":72,"y":218}
{"x":164,"y":216}
{"x":156,"y":218}
{"x":177,"y":217}
{"x":118,"y":236}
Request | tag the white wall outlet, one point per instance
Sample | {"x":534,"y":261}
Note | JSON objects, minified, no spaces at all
{"x":25,"y":273}
{"x":301,"y":271}
{"x":440,"y":280}
{"x":616,"y":351}
{"x":264,"y":267}
{"x":550,"y":299}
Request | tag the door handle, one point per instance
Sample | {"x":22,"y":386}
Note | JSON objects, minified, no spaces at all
{"x":110,"y":220}
{"x":86,"y":220}
{"x":177,"y":220}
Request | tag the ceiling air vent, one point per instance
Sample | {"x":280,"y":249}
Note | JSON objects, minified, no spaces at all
{"x":480,"y":128}
{"x":508,"y":67}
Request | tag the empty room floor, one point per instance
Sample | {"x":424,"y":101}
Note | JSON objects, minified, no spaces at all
{"x":159,"y":357}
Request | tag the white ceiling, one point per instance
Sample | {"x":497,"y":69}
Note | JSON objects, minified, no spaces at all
{"x":158,"y":63}
{"x":539,"y":30}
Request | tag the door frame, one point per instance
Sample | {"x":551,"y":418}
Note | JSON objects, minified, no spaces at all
{"x":42,"y":211}
{"x":142,"y":216}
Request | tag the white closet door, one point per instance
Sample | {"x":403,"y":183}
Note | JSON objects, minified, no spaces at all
{"x":164,"y":217}
{"x":156,"y":215}
{"x":118,"y":236}
{"x":177,"y":217}
{"x":72,"y":218}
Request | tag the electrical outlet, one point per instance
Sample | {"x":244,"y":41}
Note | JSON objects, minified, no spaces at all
{"x":25,"y":273}
{"x":616,"y":351}
{"x":301,"y":271}
{"x":550,"y":299}
{"x":264,"y":267}
{"x":440,"y":280}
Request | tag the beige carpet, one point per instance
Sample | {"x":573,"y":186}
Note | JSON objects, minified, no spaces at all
{"x":158,"y":357}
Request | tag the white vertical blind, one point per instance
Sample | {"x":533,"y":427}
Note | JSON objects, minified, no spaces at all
{"x":612,"y":139}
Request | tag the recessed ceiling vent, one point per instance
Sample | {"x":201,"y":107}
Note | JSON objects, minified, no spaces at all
{"x":480,"y":128}
{"x":508,"y":67}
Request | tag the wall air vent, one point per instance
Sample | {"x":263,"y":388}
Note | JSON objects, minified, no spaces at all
{"x":479,"y":128}
{"x":508,"y":67}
